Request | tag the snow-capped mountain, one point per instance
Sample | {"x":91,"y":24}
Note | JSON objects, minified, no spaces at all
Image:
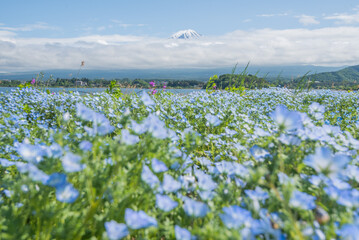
{"x":186,"y":34}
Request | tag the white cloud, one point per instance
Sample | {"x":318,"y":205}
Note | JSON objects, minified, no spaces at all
{"x":344,"y":18}
{"x":6,"y":34}
{"x":336,"y":46}
{"x":28,"y":27}
{"x":273,"y":15}
{"x":127,"y":25}
{"x":307,"y":20}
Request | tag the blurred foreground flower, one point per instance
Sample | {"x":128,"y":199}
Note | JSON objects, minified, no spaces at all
{"x":182,"y":233}
{"x":66,"y":193}
{"x":235,"y":217}
{"x":302,"y":200}
{"x":285,"y":119}
{"x":138,"y":220}
{"x":325,"y":162}
{"x":116,"y":231}
{"x":195,"y":208}
{"x":165,"y":203}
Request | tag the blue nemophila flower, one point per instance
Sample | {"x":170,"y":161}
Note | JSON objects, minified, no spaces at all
{"x":182,"y":233}
{"x":56,"y":180}
{"x":128,"y":138}
{"x":116,"y":230}
{"x":259,"y":153}
{"x":170,"y":184}
{"x":288,"y":120}
{"x":34,"y":173}
{"x":66,"y":116}
{"x":302,"y":200}
{"x":151,"y":124}
{"x":257,"y":195}
{"x":352,"y":172}
{"x":325,"y":162}
{"x":101,"y":125}
{"x":84,"y":112}
{"x":235,"y":216}
{"x":223,"y":167}
{"x":24,"y":188}
{"x":195,"y":208}
{"x":230,"y":132}
{"x":289,"y":140}
{"x":285,"y":180}
{"x":349,"y":232}
{"x":264,"y":226}
{"x":108,"y":161}
{"x":8,"y":193}
{"x":71,"y":162}
{"x":31,"y":153}
{"x":138,"y":220}
{"x":205,"y":181}
{"x":316,"y":180}
{"x":349,"y":198}
{"x":338,"y":183}
{"x":212,"y":120}
{"x":148,"y":177}
{"x":53,"y":151}
{"x":66,"y":193}
{"x":85,"y":145}
{"x":316,"y":110}
{"x":165,"y":203}
{"x":6,"y":163}
{"x":19,"y":205}
{"x":206,"y":194}
{"x":158,"y":166}
{"x":146,"y":99}
{"x":156,"y":127}
{"x":138,"y":128}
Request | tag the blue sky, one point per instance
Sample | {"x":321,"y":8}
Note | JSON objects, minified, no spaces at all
{"x":260,"y":31}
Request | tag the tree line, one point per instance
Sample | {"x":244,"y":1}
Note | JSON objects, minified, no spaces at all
{"x":104,"y":83}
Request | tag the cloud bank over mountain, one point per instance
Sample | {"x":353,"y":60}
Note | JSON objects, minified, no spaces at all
{"x":332,"y":46}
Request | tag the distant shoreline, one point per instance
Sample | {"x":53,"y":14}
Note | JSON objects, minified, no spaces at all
{"x":104,"y":88}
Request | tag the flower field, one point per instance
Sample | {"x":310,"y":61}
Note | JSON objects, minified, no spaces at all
{"x":267,"y":164}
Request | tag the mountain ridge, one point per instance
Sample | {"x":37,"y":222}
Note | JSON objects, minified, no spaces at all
{"x":350,"y":73}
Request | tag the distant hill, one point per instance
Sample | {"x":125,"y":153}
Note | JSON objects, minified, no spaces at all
{"x":347,"y":78}
{"x":350,"y":74}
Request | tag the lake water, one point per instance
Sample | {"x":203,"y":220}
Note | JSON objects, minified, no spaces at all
{"x":93,"y":90}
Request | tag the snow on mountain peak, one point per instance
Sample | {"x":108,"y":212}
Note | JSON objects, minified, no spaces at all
{"x":186,"y":34}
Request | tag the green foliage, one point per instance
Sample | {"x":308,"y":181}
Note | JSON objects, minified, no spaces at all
{"x":237,"y":83}
{"x":25,"y":85}
{"x":211,"y":84}
{"x":114,"y":89}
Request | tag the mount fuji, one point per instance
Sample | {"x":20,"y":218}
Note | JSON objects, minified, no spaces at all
{"x":186,"y":34}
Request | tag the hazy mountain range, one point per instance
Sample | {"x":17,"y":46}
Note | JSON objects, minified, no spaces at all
{"x":290,"y":72}
{"x":350,"y":74}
